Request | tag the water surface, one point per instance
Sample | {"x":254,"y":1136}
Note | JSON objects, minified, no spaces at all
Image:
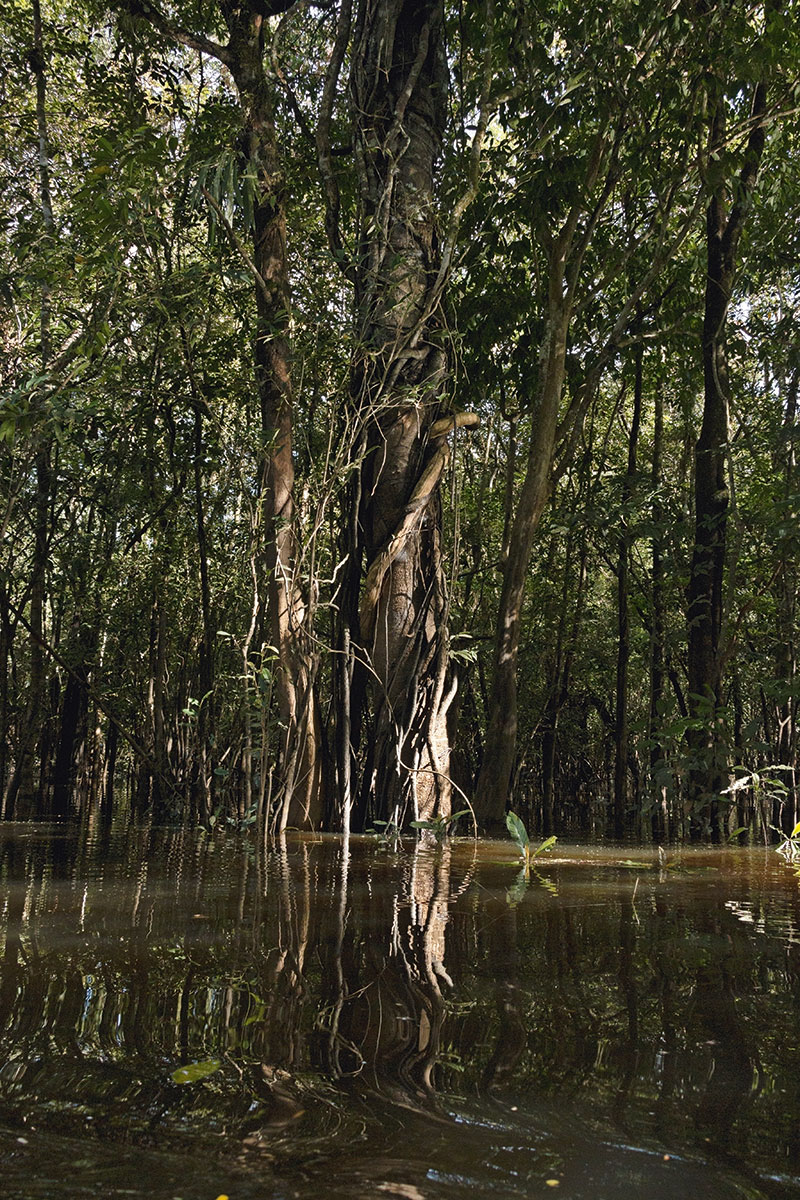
{"x":181,"y":1019}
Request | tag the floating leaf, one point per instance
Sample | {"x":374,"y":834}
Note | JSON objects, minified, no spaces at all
{"x":192,"y":1072}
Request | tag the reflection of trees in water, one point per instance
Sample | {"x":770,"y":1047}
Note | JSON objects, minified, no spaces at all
{"x":336,"y":986}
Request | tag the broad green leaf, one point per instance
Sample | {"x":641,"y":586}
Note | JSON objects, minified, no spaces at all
{"x":517,"y":830}
{"x":193,"y":1072}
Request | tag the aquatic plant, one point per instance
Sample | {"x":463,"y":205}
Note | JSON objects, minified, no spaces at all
{"x":790,"y":846}
{"x":527,"y":851}
{"x":441,"y":827}
{"x":388,"y":833}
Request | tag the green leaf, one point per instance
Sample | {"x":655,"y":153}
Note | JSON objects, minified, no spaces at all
{"x":518,"y":831}
{"x":193,"y":1072}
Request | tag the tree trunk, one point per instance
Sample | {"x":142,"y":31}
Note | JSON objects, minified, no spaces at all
{"x":621,"y":815}
{"x":37,"y":691}
{"x":561,"y":676}
{"x":498,"y":762}
{"x":658,"y":635}
{"x":786,"y":602}
{"x":399,"y":93}
{"x":301,"y":801}
{"x":706,"y":592}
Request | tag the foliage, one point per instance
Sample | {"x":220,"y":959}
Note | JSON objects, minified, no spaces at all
{"x":527,"y":851}
{"x":132,"y":449}
{"x":442,"y":827}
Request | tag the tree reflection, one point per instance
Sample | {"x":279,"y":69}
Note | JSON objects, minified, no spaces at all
{"x":340,"y":993}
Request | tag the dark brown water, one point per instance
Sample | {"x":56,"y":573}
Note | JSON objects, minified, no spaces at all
{"x":179,"y":1020}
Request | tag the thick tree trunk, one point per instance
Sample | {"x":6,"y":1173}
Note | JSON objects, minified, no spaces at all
{"x":706,"y":592}
{"x":399,"y":91}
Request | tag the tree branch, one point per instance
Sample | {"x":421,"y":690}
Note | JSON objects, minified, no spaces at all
{"x":156,"y":18}
{"x":323,"y":139}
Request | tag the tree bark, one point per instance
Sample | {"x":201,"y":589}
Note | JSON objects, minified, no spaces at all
{"x":301,"y":799}
{"x":658,"y":634}
{"x":707,"y":591}
{"x":498,"y":763}
{"x":786,"y":648}
{"x":398,"y":92}
{"x":621,"y":730}
{"x":36,"y":709}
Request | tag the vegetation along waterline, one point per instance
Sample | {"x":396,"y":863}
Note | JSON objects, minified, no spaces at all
{"x":398,"y":415}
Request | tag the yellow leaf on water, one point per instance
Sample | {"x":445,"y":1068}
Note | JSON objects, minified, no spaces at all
{"x":552,"y":1182}
{"x":192,"y":1072}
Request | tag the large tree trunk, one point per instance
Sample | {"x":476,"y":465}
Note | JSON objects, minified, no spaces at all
{"x":399,"y":91}
{"x":706,"y":592}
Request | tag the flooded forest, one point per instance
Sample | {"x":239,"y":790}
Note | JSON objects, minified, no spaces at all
{"x":399,"y":450}
{"x":399,"y":411}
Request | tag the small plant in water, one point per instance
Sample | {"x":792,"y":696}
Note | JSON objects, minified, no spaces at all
{"x":387,"y":833}
{"x":790,"y":846}
{"x":527,"y":851}
{"x":441,"y":827}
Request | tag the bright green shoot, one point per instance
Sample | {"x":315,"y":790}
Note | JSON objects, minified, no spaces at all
{"x":527,"y":851}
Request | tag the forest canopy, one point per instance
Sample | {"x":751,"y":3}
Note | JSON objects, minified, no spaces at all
{"x":399,"y":413}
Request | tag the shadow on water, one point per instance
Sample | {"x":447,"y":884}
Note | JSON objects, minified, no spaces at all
{"x":181,"y":1020}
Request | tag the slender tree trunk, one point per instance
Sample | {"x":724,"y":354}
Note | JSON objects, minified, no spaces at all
{"x":205,"y":713}
{"x":621,"y":730}
{"x":560,"y":679}
{"x":37,"y":700}
{"x":112,"y":746}
{"x":706,"y":592}
{"x":498,"y":762}
{"x":6,"y":640}
{"x":786,"y":649}
{"x":657,"y":599}
{"x":156,"y":688}
{"x":244,"y":55}
{"x":301,"y":803}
